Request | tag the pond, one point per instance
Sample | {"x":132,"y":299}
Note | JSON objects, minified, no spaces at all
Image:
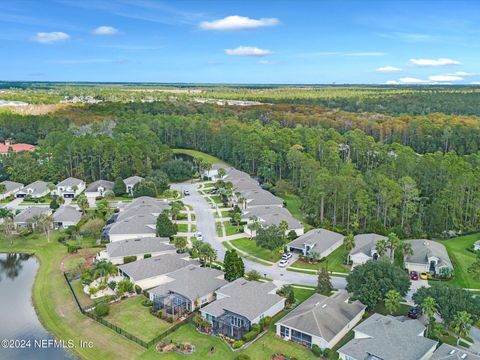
{"x":18,"y":320}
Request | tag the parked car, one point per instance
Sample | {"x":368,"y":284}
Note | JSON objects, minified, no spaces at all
{"x":415,"y":312}
{"x":199,"y":235}
{"x":424,"y":276}
{"x":186,"y":192}
{"x":413,"y":275}
{"x":283,"y":263}
{"x":286,"y":256}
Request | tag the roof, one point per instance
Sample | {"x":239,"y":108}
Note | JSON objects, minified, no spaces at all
{"x":11,"y":185}
{"x":246,"y":298}
{"x":105,"y":184}
{"x":448,"y":352}
{"x":29,"y":213}
{"x":137,"y":224}
{"x":38,"y":187}
{"x":132,"y":180}
{"x":319,"y":239}
{"x":272,"y":215}
{"x":389,"y":339}
{"x":67,"y":213}
{"x":364,"y":243}
{"x":423,"y":249}
{"x":138,"y":246}
{"x":155,"y":266}
{"x":232,"y":174}
{"x":192,"y":282}
{"x":70,"y":182}
{"x":5,"y":147}
{"x":258,"y":196}
{"x":324,"y":316}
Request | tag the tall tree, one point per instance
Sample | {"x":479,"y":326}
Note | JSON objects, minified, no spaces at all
{"x":461,"y":324}
{"x":392,"y":300}
{"x":324,"y":285}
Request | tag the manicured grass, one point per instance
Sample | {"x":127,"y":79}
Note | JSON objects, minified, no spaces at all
{"x":74,"y":263}
{"x":216,"y":199}
{"x":334,"y":262}
{"x":225,"y":214}
{"x":402,"y":310}
{"x":302,"y":294}
{"x":250,"y":247}
{"x":83,"y":298}
{"x":462,"y":259}
{"x":232,"y":229}
{"x":182,"y":227}
{"x":132,"y":316}
{"x":219,"y":229}
{"x":228,"y":246}
{"x":293,"y":205}
{"x":201,"y":155}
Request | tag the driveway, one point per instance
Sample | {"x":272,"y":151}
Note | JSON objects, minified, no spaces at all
{"x":415,"y":285}
{"x":206,"y":225}
{"x":14,"y":204}
{"x":475,"y":335}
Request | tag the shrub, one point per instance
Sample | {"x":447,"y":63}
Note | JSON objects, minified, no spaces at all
{"x":102,"y":309}
{"x":256,"y":327}
{"x":237,"y":344}
{"x":92,"y":290}
{"x":92,"y":227}
{"x":71,"y":249}
{"x":129,"y":259}
{"x":146,"y":256}
{"x":316,"y":350}
{"x":266,"y":321}
{"x":330,"y":354}
{"x":102,"y":287}
{"x":147,"y":303}
{"x":124,"y":286}
{"x":249,"y":336}
{"x":138,"y":289}
{"x":112,"y":285}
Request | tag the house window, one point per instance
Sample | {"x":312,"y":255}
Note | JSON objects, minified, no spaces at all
{"x":284,"y":331}
{"x":301,"y":338}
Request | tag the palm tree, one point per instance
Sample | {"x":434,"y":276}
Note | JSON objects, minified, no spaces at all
{"x":461,"y":324}
{"x":45,"y":223}
{"x":283,"y":226}
{"x":393,"y":243}
{"x":392,"y":300}
{"x":82,"y":203}
{"x":406,"y":249}
{"x":253,"y":226}
{"x":348,"y":243}
{"x":381,"y":247}
{"x":429,"y":308}
{"x":237,"y":219}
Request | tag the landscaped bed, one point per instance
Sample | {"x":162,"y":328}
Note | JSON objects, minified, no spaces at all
{"x":250,"y":247}
{"x":334,"y":262}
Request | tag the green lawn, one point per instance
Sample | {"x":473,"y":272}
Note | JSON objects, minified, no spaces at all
{"x":182,"y":227}
{"x":402,"y":310}
{"x":201,"y":155}
{"x":83,"y":298}
{"x":216,"y":199}
{"x":219,"y":229}
{"x":293,"y":205}
{"x":132,"y":316}
{"x":302,"y":294}
{"x":250,"y":247}
{"x":334,"y":262}
{"x":462,"y":259}
{"x":232,"y":229}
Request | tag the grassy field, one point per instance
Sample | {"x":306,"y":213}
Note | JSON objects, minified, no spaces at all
{"x":462,"y":259}
{"x":198,"y":154}
{"x":302,"y":294}
{"x":132,"y":316}
{"x":334,"y":262}
{"x":293,"y":205}
{"x":250,"y":247}
{"x":182,"y":227}
{"x":232,"y":229}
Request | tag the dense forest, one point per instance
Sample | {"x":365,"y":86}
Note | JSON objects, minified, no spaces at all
{"x":416,"y":175}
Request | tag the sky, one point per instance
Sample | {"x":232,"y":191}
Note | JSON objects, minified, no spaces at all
{"x":232,"y":41}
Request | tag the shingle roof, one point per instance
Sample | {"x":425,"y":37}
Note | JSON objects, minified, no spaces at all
{"x":448,"y":352}
{"x":105,"y":184}
{"x":389,"y":339}
{"x":192,"y":282}
{"x":364,"y":243}
{"x":132,"y":180}
{"x":67,"y":213}
{"x":272,"y":215}
{"x":138,"y":246}
{"x":323,"y":316}
{"x":29,"y":213}
{"x":11,"y":185}
{"x":246,"y":298}
{"x":258,"y":196}
{"x":318,"y":239}
{"x":232,"y":174}
{"x":70,"y":182}
{"x":38,"y":187}
{"x":423,"y":249}
{"x":137,"y":224}
{"x":155,"y":266}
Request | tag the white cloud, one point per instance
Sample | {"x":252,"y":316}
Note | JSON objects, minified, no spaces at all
{"x":434,"y":62}
{"x":236,"y":22}
{"x":445,"y":78}
{"x":475,"y":83}
{"x":266,"y":62}
{"x":105,"y":30}
{"x":410,"y":80}
{"x":50,"y":37}
{"x":392,"y":82}
{"x":247,"y":51}
{"x":388,"y":69}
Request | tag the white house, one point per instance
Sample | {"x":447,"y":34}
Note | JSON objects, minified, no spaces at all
{"x":66,"y":216}
{"x":11,"y":188}
{"x":365,"y":248}
{"x":428,"y":256}
{"x":322,"y":241}
{"x":130,"y":182}
{"x":70,"y":187}
{"x":98,"y":188}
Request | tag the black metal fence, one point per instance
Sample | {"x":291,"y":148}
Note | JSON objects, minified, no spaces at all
{"x":121,"y":331}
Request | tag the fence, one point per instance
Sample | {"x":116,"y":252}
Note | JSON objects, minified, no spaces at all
{"x":121,"y":331}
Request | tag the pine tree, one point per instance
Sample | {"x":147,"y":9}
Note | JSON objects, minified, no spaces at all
{"x":119,"y":187}
{"x":324,"y":285}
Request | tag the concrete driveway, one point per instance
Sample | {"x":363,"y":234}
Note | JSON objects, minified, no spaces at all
{"x":415,"y":285}
{"x":206,"y":225}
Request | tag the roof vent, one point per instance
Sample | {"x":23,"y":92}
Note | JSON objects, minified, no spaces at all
{"x":464,"y":356}
{"x":452,"y":352}
{"x":324,"y":306}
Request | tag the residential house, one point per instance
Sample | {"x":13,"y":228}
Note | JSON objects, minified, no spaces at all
{"x":212,"y":173}
{"x":258,"y":197}
{"x":28,"y":218}
{"x":66,"y":216}
{"x":11,"y":188}
{"x":98,"y":188}
{"x":321,"y":320}
{"x":151,"y":272}
{"x":7,"y":147}
{"x":130,"y":182}
{"x":70,"y":187}
{"x":271,"y":215}
{"x":152,"y":246}
{"x":365,"y":248}
{"x":449,"y":352}
{"x":187,"y":289}
{"x":36,"y":190}
{"x":322,"y":241}
{"x":476,"y":246}
{"x":428,"y":256}
{"x":388,"y":338}
{"x":241,"y":304}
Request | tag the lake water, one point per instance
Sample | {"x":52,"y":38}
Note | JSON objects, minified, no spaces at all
{"x":18,"y":320}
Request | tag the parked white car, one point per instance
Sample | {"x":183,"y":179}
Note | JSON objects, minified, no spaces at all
{"x":286,"y":256}
{"x":283,"y":263}
{"x":199,"y":235}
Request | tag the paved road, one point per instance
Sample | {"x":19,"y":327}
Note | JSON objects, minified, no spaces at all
{"x":206,"y":225}
{"x":14,"y":204}
{"x":475,"y":335}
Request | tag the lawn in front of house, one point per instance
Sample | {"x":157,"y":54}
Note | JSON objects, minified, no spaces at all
{"x":401,"y":311}
{"x":302,"y":294}
{"x":231,"y":229}
{"x":250,"y":247}
{"x":334,"y":262}
{"x":462,"y":259}
{"x":183,"y":228}
{"x":132,"y":316}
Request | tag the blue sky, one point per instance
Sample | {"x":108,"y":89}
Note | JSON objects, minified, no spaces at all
{"x":241,"y":41}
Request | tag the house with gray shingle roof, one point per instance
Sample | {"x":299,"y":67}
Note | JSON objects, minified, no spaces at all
{"x":151,"y":272}
{"x":99,"y":188}
{"x":28,"y":217}
{"x":449,"y":352}
{"x":70,"y":187}
{"x":321,"y":320}
{"x":187,"y":289}
{"x":66,"y":216}
{"x":388,"y":338}
{"x":240,"y":304}
{"x":322,"y":241}
{"x":428,"y":256}
{"x":271,"y":215}
{"x":258,"y":197}
{"x":365,"y":248}
{"x":11,"y":188}
{"x":153,"y":246}
{"x":130,"y":182}
{"x":36,"y":190}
